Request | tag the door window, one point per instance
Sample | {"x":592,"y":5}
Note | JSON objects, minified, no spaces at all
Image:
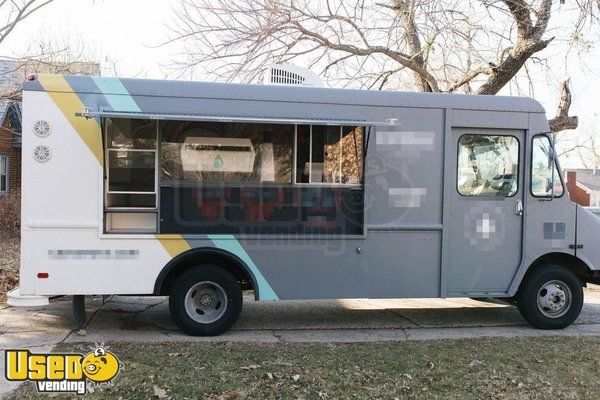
{"x":488,"y":165}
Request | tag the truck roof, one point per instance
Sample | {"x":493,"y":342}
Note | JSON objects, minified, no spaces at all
{"x":257,"y":92}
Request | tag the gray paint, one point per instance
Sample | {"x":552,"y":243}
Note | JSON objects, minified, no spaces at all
{"x":554,"y":231}
{"x":588,"y":233}
{"x":484,"y":233}
{"x":390,"y":264}
{"x":419,"y":168}
{"x":422,"y":250}
{"x":490,"y":119}
{"x":195,"y":90}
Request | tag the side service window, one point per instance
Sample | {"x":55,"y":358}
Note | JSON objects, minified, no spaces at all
{"x":226,"y":152}
{"x":329,"y":154}
{"x":131,"y":159}
{"x":542,"y":168}
{"x":488,"y":165}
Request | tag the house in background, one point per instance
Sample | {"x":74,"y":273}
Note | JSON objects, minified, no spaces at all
{"x":10,"y":147}
{"x":584,"y":186}
{"x":12,"y":74}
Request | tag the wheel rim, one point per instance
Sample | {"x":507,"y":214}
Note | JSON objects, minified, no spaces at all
{"x":205,"y":302}
{"x":554,"y":299}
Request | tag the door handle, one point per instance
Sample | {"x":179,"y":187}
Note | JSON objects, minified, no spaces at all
{"x":519,"y":208}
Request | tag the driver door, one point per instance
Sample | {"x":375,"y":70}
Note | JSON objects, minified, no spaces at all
{"x":486,"y":210}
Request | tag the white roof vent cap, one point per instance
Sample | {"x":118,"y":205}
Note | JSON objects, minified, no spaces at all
{"x":291,"y":75}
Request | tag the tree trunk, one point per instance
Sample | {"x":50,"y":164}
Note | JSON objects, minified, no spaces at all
{"x":563,"y":121}
{"x":502,"y":74}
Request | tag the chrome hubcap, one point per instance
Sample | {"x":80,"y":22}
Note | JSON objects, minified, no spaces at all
{"x":205,"y":302}
{"x":554,"y":299}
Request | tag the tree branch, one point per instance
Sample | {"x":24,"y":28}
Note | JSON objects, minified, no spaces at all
{"x":406,"y":14}
{"x":563,"y":121}
{"x":20,"y":12}
{"x":528,"y":42}
{"x":399,"y":57}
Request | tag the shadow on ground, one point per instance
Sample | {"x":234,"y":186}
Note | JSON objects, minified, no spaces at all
{"x":152,"y":314}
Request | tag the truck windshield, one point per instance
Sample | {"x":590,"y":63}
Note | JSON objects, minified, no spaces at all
{"x":543,"y":166}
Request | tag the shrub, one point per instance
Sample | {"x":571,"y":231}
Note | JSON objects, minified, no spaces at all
{"x":10,"y":214}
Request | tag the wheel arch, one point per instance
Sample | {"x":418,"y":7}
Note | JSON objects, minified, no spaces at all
{"x":207,"y":255}
{"x":575,"y":264}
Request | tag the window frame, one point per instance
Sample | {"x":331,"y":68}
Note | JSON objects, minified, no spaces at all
{"x":162,"y":181}
{"x":363,"y":127}
{"x":108,"y":152}
{"x":294,"y":148}
{"x":595,"y":199}
{"x":562,"y":184}
{"x":518,"y":166}
{"x":106,"y":167}
{"x":7,"y":173}
{"x":367,"y":129}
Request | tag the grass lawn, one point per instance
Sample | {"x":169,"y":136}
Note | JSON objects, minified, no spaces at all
{"x":529,"y":368}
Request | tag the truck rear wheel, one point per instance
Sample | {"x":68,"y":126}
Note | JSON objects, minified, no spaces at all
{"x":551,"y":297}
{"x":205,"y":301}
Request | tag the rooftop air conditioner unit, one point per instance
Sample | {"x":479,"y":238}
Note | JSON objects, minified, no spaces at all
{"x":291,"y":75}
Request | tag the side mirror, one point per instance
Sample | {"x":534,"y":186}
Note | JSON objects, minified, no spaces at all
{"x":550,"y":158}
{"x":549,"y":185}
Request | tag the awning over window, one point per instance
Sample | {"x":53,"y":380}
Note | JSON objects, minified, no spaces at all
{"x":230,"y":118}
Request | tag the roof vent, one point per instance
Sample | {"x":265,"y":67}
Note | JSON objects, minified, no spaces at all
{"x":42,"y":153}
{"x":291,"y":75}
{"x":41,"y":128}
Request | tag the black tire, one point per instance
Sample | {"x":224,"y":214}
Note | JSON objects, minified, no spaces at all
{"x":215,"y":275}
{"x":534,"y":282}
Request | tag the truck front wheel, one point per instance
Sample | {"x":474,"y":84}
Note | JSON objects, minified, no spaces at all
{"x":551,"y":297}
{"x":205,"y":301}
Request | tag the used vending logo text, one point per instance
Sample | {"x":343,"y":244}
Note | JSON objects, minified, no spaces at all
{"x":62,"y":372}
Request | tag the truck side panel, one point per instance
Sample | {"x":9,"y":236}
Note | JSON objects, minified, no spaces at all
{"x":398,"y":256}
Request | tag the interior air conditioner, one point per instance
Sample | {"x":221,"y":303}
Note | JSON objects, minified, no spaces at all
{"x":211,"y":154}
{"x":291,"y":75}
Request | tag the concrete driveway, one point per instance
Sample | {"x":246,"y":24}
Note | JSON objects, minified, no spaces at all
{"x":124,"y":318}
{"x":147,"y":319}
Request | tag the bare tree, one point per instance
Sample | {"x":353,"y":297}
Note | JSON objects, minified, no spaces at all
{"x":49,"y":56}
{"x":586,"y":149}
{"x":12,"y":12}
{"x":436,"y":45}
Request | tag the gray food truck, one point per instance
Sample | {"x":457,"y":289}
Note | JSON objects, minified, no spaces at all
{"x":200,"y":190}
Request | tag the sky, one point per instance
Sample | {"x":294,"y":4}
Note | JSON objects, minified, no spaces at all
{"x":127,"y":34}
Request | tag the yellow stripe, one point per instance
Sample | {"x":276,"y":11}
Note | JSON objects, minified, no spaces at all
{"x":173,"y":244}
{"x":69,"y":103}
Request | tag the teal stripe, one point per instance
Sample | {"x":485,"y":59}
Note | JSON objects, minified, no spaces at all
{"x":117,"y":95}
{"x":231,"y":244}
